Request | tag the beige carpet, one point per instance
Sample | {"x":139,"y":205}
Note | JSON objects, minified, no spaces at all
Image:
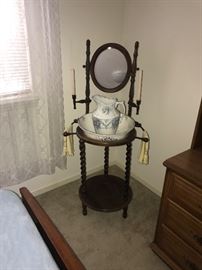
{"x":106,"y":241}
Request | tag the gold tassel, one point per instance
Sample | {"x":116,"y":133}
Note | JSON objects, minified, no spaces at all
{"x":144,"y":150}
{"x":69,"y":143}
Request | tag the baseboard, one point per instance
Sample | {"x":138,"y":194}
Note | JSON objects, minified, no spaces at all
{"x":143,"y":182}
{"x":90,"y":172}
{"x":66,"y":181}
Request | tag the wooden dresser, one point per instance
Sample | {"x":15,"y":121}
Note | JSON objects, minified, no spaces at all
{"x":178,"y":237}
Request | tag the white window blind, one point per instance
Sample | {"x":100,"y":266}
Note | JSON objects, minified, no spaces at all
{"x":15,"y":76}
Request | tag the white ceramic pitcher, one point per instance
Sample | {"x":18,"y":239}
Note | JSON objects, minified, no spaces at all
{"x":106,"y":116}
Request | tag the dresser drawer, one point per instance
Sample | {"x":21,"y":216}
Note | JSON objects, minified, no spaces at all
{"x":185,"y":194}
{"x":184,"y":224}
{"x":183,"y":255}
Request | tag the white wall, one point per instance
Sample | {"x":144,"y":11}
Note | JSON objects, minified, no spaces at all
{"x":169,"y":33}
{"x":170,"y":55}
{"x":100,"y":21}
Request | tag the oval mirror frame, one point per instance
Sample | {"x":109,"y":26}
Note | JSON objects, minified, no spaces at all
{"x":97,"y":54}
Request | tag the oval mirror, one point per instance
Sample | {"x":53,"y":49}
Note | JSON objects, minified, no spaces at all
{"x":110,"y":67}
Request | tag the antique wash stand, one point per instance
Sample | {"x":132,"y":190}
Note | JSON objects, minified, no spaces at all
{"x":107,"y":192}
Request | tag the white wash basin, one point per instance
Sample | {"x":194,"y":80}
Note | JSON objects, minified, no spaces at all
{"x":126,"y":124}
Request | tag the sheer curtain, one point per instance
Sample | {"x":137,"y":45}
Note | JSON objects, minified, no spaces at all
{"x":32,"y":122}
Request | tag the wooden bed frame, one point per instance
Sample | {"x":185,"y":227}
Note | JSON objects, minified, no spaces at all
{"x":61,"y":251}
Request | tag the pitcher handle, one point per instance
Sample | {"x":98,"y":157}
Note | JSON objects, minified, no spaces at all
{"x":123,"y":105}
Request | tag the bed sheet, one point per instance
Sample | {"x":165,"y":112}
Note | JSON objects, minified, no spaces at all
{"x":21,"y":245}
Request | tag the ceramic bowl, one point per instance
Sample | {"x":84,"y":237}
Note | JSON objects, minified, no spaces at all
{"x":126,"y":124}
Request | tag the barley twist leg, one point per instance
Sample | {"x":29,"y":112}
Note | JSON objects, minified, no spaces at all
{"x":127,"y":175}
{"x":82,"y":148}
{"x":106,"y":161}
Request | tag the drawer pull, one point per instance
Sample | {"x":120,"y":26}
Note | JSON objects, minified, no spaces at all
{"x":198,"y":239}
{"x":191,"y":265}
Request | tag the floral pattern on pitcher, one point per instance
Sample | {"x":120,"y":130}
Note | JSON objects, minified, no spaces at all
{"x":106,"y":116}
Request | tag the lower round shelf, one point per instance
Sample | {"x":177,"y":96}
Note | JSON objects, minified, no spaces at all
{"x":105,"y":193}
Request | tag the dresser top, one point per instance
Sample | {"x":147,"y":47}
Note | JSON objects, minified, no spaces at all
{"x":187,"y":164}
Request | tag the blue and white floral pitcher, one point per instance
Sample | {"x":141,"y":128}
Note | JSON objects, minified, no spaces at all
{"x":106,"y":116}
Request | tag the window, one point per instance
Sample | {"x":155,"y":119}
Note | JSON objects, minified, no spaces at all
{"x":31,"y":106}
{"x":15,"y":76}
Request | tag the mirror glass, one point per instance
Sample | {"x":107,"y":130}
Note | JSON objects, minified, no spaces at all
{"x":110,"y":68}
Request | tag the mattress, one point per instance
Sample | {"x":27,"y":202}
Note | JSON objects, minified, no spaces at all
{"x":21,"y":245}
